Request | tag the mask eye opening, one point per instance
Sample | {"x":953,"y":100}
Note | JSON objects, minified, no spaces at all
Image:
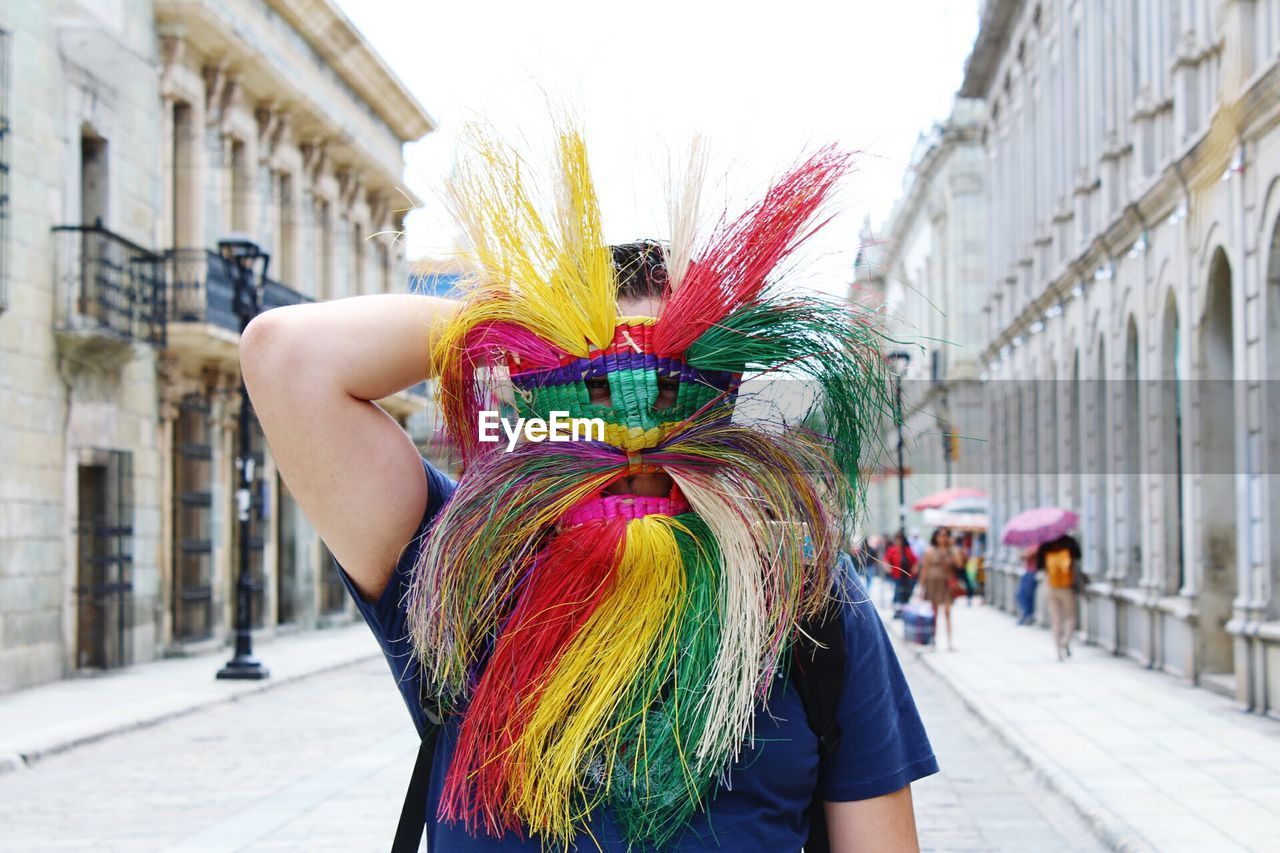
{"x":668,"y":392}
{"x":598,"y":391}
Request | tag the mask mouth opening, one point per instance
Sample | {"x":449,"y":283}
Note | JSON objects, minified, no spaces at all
{"x":648,"y":484}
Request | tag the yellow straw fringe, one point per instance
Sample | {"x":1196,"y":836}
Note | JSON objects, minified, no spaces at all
{"x":626,"y":635}
{"x":548,"y":270}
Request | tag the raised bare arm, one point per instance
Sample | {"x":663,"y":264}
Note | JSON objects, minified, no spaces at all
{"x":312,"y":372}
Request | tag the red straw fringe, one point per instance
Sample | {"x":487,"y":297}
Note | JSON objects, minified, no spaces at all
{"x":564,"y":589}
{"x":731,"y":271}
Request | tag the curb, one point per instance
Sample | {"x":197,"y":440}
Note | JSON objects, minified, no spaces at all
{"x":16,"y":762}
{"x":1112,"y":832}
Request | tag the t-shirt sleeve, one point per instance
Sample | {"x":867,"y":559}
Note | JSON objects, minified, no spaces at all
{"x":386,"y":616}
{"x":883,"y":745}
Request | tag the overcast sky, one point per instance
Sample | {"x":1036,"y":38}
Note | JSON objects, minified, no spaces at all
{"x":760,"y":87}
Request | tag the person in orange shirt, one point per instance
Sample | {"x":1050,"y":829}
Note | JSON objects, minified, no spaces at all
{"x":1060,"y":561}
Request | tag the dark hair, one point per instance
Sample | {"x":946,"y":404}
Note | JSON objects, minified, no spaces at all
{"x":641,"y":268}
{"x":933,"y":540}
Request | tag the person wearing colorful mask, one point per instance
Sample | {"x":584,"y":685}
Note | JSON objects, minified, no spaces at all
{"x":604,"y":628}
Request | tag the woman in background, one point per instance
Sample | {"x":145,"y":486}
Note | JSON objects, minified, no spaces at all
{"x":937,"y":569}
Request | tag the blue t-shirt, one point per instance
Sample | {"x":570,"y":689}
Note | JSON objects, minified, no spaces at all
{"x":883,"y":746}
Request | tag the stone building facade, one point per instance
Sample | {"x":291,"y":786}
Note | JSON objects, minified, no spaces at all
{"x":1133,"y":315}
{"x":136,"y":136}
{"x":928,"y":264}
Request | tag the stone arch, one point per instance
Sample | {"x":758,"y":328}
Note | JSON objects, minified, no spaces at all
{"x":1216,"y":440}
{"x":1051,"y":405}
{"x":1130,"y":467}
{"x":1172,"y":387}
{"x":1271,"y":406}
{"x":1099,"y":458}
{"x":1075,"y":445}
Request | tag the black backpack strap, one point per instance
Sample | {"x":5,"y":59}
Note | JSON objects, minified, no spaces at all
{"x":818,"y":656}
{"x":413,"y":814}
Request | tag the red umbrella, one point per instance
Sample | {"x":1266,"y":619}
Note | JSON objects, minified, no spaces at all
{"x":1039,"y":525}
{"x":937,"y":500}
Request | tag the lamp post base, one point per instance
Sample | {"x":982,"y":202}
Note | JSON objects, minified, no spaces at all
{"x":244,"y":668}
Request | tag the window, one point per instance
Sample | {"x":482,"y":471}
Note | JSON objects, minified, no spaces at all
{"x":240,"y":178}
{"x":93,"y":179}
{"x":184,"y":181}
{"x":357,"y":259}
{"x":324,"y":251}
{"x":284,"y":230}
{"x":384,"y":269}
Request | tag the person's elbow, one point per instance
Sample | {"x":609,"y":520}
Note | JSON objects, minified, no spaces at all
{"x":268,"y":345}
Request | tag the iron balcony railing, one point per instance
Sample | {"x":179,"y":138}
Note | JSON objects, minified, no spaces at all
{"x":202,"y":291}
{"x":109,"y":283}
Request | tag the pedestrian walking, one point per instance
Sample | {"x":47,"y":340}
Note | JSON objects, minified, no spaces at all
{"x":555,"y":618}
{"x":1060,"y":561}
{"x":901,"y":562}
{"x":1027,"y":586}
{"x":938,"y":574}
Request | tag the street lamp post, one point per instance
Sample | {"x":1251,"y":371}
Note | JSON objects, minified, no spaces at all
{"x":899,"y":361}
{"x":246,"y":264}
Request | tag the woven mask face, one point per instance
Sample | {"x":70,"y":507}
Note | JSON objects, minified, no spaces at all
{"x":605,"y":649}
{"x":641,"y":398}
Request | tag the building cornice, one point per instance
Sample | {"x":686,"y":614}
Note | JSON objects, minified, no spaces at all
{"x":327,"y":31}
{"x":995,"y":27}
{"x":331,"y":33}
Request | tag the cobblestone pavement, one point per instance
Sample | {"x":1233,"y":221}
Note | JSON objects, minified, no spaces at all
{"x":320,"y":764}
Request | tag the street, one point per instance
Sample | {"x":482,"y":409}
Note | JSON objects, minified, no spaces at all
{"x":320,"y":764}
{"x":985,"y":797}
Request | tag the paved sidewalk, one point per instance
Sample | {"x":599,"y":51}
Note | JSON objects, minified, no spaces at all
{"x":1150,"y":762}
{"x":52,"y":718}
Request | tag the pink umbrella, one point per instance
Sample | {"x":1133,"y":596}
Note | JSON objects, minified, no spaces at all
{"x":1039,"y":525}
{"x":939,"y":499}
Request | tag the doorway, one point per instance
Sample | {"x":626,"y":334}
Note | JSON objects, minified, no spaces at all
{"x":192,"y":521}
{"x":104,"y":564}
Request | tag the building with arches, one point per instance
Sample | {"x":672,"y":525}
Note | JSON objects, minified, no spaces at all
{"x":1132,"y":316}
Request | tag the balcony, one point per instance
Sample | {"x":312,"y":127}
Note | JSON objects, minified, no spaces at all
{"x":203,"y":323}
{"x":111,"y":295}
{"x":204,"y":327}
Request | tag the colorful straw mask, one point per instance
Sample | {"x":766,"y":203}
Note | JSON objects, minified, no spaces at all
{"x":612,"y":649}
